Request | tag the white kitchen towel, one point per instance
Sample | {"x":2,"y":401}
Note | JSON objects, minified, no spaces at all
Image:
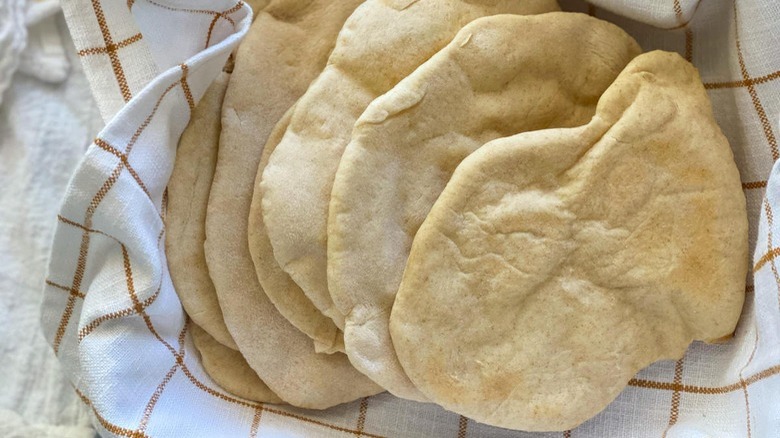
{"x":13,"y":37}
{"x":47,"y":120}
{"x":114,"y":320}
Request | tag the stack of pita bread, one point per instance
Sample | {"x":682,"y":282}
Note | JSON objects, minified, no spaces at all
{"x":485,"y":204}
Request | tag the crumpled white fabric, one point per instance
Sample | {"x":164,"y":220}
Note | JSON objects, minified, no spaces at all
{"x":13,"y":37}
{"x":30,"y":42}
{"x":47,"y":119}
{"x":112,"y":315}
{"x":44,"y":57}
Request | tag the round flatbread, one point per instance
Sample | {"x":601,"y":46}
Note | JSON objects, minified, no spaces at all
{"x":369,"y":59}
{"x":558,"y":263}
{"x":185,"y":221}
{"x":501,"y":75}
{"x":288,"y":44}
{"x":288,"y":298}
{"x":229,"y":369}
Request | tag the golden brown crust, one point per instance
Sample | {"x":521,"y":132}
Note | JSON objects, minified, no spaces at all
{"x":369,"y":59}
{"x":491,"y":81}
{"x":288,"y":298}
{"x":229,"y":369}
{"x":274,"y":65}
{"x":185,"y":222}
{"x":558,"y":263}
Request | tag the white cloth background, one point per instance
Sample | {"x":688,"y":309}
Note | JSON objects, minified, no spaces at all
{"x":114,"y":321}
{"x":47,"y":120}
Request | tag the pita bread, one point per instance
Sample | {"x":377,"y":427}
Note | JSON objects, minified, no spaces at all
{"x":188,"y":193}
{"x":287,"y":46}
{"x":369,"y":59}
{"x":229,"y":369}
{"x":501,"y":75}
{"x":288,"y":298}
{"x":558,"y":263}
